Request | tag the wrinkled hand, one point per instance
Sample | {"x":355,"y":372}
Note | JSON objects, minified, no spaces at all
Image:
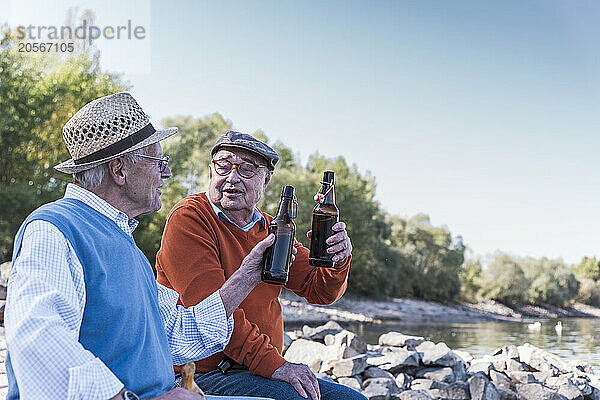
{"x":179,"y":394}
{"x":300,"y":377}
{"x":339,"y":243}
{"x":252,"y":263}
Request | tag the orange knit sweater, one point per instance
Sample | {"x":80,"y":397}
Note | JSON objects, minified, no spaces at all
{"x":199,"y":252}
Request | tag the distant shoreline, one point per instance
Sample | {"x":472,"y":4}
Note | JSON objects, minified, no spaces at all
{"x":354,"y":309}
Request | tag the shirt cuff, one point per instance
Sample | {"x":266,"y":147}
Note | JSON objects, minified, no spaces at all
{"x":342,"y":265}
{"x":92,"y":380}
{"x":210,"y":313}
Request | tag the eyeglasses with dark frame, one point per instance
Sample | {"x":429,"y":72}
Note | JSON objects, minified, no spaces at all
{"x":162,"y":162}
{"x":245,"y":169}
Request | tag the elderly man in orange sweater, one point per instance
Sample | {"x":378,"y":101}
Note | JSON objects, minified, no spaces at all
{"x":206,"y":237}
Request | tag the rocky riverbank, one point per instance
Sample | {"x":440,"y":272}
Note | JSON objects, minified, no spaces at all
{"x":355,"y":309}
{"x":411,"y":368}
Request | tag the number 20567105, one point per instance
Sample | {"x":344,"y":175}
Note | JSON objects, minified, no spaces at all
{"x":45,"y":47}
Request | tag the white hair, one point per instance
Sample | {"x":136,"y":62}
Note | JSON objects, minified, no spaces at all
{"x":91,"y":178}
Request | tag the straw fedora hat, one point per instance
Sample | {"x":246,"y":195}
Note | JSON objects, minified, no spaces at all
{"x":107,"y":128}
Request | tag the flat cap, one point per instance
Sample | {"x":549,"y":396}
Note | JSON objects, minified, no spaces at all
{"x":247,"y":142}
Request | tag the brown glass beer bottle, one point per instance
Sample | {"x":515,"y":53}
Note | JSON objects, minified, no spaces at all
{"x":277,"y":258}
{"x":325,"y":215}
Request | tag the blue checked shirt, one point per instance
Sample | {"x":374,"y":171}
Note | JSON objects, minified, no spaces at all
{"x":44,"y":310}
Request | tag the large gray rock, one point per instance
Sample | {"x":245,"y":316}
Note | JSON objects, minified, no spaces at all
{"x":506,"y":394}
{"x":455,"y":391}
{"x":377,"y":391}
{"x":582,"y":366}
{"x":463,"y":355}
{"x":319,"y":333}
{"x":393,"y":359}
{"x":398,"y":339}
{"x":481,"y":388}
{"x":498,"y":361}
{"x":348,"y":366}
{"x":480,"y":365}
{"x":595,"y":395}
{"x":375,"y":372}
{"x":509,"y":351}
{"x":353,"y":381}
{"x":501,"y":379}
{"x":522,"y":377}
{"x":437,"y":374}
{"x":583,"y":385}
{"x":389,"y":383}
{"x":570,"y":391}
{"x":415,"y":395}
{"x":436,"y":354}
{"x":516,"y":365}
{"x":460,"y":371}
{"x":543,"y":376}
{"x":542,"y":360}
{"x":567,"y":380}
{"x":535,"y":391}
{"x":403,"y":380}
{"x":557,"y":381}
{"x":349,"y":344}
{"x":313,"y":354}
{"x":426,"y":384}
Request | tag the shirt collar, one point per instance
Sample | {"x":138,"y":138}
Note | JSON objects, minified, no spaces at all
{"x":102,"y":206}
{"x":256,"y":217}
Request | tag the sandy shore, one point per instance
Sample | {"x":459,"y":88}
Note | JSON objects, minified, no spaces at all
{"x":349,"y":308}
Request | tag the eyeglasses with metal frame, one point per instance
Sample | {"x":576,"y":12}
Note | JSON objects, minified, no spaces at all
{"x":245,"y":169}
{"x":162,"y":161}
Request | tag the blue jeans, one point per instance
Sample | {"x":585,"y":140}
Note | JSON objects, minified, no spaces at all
{"x":213,"y":397}
{"x":244,"y":383}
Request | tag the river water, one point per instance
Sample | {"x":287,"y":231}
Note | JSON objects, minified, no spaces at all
{"x":580,"y":339}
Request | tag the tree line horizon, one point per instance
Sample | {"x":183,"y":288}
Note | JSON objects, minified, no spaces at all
{"x":392,"y":256}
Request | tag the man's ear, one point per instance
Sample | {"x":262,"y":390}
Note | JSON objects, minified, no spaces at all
{"x":268,"y":176}
{"x":116,"y":171}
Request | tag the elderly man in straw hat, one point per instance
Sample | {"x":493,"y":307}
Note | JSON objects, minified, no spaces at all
{"x":85,"y":318}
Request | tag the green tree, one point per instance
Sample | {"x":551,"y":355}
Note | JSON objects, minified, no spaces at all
{"x":470,"y":276}
{"x":39,"y":92}
{"x":504,"y":280}
{"x":551,"y":281}
{"x":528,"y":280}
{"x":433,"y":255}
{"x":587,"y":273}
{"x":589,"y":292}
{"x":588,"y":268}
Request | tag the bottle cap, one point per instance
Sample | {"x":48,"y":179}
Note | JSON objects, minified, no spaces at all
{"x":328,"y":176}
{"x":288,"y":191}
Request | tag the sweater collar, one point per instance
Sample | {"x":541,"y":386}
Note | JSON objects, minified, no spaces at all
{"x":256,"y":217}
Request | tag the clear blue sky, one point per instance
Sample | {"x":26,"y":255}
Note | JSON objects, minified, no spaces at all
{"x":484,"y":115}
